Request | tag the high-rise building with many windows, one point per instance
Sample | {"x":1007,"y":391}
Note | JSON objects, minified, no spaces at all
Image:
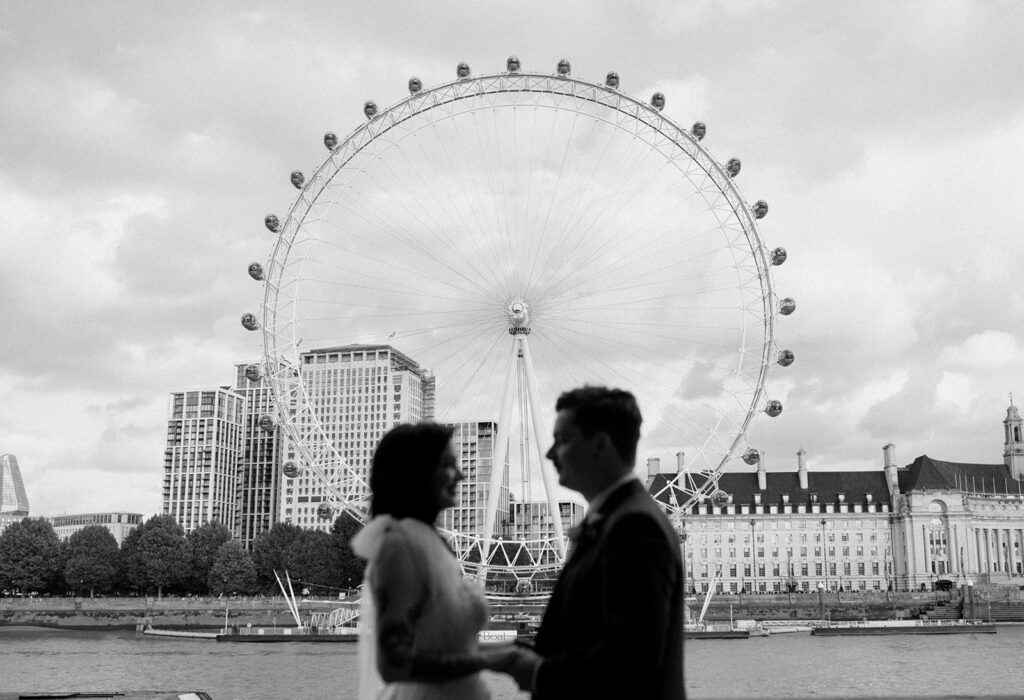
{"x":13,"y":500}
{"x":474,"y":447}
{"x":203,"y":455}
{"x":533,"y":522}
{"x":260,"y":466}
{"x":356,"y":393}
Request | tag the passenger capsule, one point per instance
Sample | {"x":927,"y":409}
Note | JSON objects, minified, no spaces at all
{"x":298,"y":179}
{"x":415,"y":85}
{"x":786,"y":358}
{"x":778,"y":256}
{"x":699,"y":130}
{"x":462,"y":70}
{"x":773,"y":408}
{"x":253,"y":373}
{"x":733,"y":167}
{"x":563,"y":67}
{"x":658,"y":101}
{"x":612,"y":80}
{"x":331,"y":140}
{"x":751,"y":456}
{"x":290,"y":469}
{"x":370,"y":109}
{"x":256,"y":271}
{"x":760,"y":209}
{"x":324,"y":512}
{"x":512,"y":64}
{"x":787,"y":306}
{"x":250,"y":322}
{"x":719,"y":498}
{"x":272,"y":223}
{"x":266,"y":423}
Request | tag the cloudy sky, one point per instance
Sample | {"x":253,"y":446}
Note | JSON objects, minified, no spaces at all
{"x":141,"y":145}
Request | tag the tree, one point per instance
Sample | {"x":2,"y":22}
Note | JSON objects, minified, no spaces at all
{"x":269,"y":550}
{"x":92,"y":562}
{"x":205,"y":542}
{"x":30,"y":557}
{"x":232,"y":570}
{"x":157,"y":556}
{"x":313,"y":560}
{"x":350,"y":565}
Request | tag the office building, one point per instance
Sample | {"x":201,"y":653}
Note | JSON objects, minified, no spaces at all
{"x":203,"y":457}
{"x":119,"y":524}
{"x":13,"y":500}
{"x":474,"y":448}
{"x":532,"y":522}
{"x":260,"y":464}
{"x":356,"y":393}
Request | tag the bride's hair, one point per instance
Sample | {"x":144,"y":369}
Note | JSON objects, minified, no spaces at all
{"x":405,"y":460}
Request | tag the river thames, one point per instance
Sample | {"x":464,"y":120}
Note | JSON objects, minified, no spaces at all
{"x":780,"y":666}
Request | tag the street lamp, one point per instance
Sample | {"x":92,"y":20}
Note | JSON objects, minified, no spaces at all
{"x":753,"y":556}
{"x":824,"y":550}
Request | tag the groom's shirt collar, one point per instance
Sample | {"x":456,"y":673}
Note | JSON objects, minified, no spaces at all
{"x":601,"y":497}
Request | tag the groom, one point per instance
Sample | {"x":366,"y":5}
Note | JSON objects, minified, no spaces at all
{"x":614,"y":625}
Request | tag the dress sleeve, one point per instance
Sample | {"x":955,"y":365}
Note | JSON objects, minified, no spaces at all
{"x":401,"y":591}
{"x":638,"y":579}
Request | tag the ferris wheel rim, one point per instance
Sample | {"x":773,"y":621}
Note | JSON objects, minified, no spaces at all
{"x":286,"y":379}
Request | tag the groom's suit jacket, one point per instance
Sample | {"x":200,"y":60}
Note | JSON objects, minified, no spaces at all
{"x":614,"y":625}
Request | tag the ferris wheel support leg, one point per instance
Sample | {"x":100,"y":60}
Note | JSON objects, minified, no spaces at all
{"x":501,"y":438}
{"x":538,"y":431}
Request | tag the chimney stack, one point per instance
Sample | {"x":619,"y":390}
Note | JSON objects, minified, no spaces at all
{"x":762,"y":476}
{"x":801,"y":468}
{"x":680,"y":462}
{"x":889,"y":459}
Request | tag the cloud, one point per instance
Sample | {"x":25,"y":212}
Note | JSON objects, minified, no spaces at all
{"x":140,"y":148}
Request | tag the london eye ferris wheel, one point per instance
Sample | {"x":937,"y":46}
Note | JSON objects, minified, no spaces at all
{"x":519,"y":234}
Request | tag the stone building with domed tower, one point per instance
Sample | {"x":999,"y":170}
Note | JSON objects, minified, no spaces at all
{"x":925,"y":525}
{"x":957,"y":521}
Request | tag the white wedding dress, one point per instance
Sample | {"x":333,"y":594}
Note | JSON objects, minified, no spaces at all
{"x":454,"y":612}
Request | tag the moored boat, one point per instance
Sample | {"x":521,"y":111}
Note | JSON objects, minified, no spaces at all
{"x":885,"y":627}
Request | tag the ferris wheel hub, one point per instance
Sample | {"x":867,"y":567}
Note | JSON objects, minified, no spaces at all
{"x":518,"y":314}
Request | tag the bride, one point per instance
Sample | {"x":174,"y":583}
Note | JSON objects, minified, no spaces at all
{"x":420,"y":617}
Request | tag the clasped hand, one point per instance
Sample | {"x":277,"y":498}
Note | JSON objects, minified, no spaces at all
{"x":519,"y":662}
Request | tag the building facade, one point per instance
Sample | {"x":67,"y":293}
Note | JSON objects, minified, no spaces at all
{"x":357,"y":393}
{"x":928,"y":524}
{"x":777,"y":532}
{"x":532,"y":522}
{"x":259,"y":471}
{"x":957,"y":521}
{"x":119,"y":524}
{"x":474,"y":443}
{"x":203,"y":456}
{"x":13,"y":499}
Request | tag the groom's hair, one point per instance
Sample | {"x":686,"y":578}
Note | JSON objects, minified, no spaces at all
{"x":597,"y":409}
{"x":405,"y":460}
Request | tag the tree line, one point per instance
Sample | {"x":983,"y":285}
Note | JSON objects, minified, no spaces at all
{"x":157,"y":557}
